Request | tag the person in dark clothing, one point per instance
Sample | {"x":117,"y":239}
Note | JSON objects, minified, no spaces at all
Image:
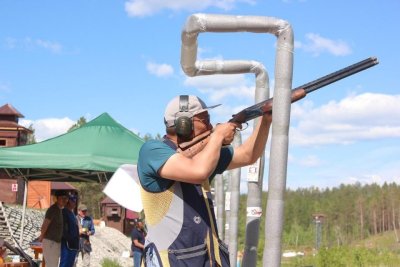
{"x":51,"y":230}
{"x":70,"y":238}
{"x":138,"y":238}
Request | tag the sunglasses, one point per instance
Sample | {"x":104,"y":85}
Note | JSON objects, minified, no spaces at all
{"x":205,"y":120}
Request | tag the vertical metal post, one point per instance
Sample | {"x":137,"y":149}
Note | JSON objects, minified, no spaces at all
{"x":234,"y":218}
{"x":254,"y":184}
{"x":23,"y":213}
{"x":219,"y":200}
{"x":318,"y":220}
{"x":317,"y":234}
{"x":279,"y":149}
{"x":227,"y":206}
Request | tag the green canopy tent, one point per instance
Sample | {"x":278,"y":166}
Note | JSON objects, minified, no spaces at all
{"x":92,"y":152}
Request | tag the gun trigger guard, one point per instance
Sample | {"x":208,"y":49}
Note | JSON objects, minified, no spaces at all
{"x":243,"y":128}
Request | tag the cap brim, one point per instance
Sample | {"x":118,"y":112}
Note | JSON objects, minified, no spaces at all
{"x":214,"y":106}
{"x":206,"y":109}
{"x":171,"y":123}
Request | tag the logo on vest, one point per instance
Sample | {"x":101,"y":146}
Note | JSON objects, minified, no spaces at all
{"x":197,"y":219}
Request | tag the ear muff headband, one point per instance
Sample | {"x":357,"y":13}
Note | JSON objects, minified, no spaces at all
{"x":183,"y":120}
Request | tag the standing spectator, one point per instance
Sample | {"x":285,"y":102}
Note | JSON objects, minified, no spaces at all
{"x":138,"y":237}
{"x":52,"y":230}
{"x":70,"y":239}
{"x":86,"y":229}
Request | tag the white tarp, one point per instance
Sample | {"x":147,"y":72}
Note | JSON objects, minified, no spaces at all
{"x":124,"y":188}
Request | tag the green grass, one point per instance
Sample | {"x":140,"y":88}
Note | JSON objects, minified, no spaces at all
{"x":380,"y":250}
{"x":345,"y":257}
{"x":106,"y":262}
{"x":386,"y":240}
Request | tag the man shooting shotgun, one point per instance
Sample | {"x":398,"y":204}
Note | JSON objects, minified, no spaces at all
{"x":175,"y":173}
{"x":195,"y":145}
{"x":175,"y":191}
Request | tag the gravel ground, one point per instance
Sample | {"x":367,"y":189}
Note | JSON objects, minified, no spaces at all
{"x":109,"y":243}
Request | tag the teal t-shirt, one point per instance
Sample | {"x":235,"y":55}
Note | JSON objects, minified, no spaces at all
{"x":153,"y":155}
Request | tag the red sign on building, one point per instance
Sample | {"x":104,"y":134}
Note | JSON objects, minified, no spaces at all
{"x":14,"y":187}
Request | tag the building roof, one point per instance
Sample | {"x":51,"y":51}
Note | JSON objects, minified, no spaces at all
{"x":108,"y":200}
{"x":13,"y":126}
{"x":61,"y":186}
{"x":7,"y":109}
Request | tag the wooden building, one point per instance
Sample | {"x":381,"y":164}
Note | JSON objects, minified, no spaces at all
{"x":11,"y":134}
{"x":118,"y":217}
{"x":40,"y":193}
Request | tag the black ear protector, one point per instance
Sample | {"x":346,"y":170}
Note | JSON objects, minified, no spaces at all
{"x":184,"y":119}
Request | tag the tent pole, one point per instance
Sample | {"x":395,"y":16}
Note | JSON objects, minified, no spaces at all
{"x":23,"y":212}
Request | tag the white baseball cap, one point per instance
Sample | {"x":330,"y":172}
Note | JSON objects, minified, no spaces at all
{"x":174,"y":108}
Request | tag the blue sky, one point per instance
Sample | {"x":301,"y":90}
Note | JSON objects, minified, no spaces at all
{"x":60,"y":60}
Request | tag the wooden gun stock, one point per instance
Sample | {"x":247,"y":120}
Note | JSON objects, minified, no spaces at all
{"x":191,"y":148}
{"x":197,"y":144}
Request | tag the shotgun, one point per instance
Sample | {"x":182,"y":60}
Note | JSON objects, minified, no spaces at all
{"x":195,"y":145}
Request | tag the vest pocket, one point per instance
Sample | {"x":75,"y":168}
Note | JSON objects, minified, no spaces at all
{"x":193,"y":256}
{"x":151,"y":256}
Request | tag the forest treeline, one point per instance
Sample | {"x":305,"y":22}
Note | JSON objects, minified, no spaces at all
{"x":349,"y":213}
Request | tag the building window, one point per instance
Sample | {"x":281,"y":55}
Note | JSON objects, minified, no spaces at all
{"x":3,"y":142}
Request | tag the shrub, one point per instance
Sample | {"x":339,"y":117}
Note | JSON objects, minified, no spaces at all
{"x":106,"y":262}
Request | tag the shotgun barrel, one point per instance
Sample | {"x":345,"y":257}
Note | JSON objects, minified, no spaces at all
{"x":299,"y":92}
{"x":340,"y":74}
